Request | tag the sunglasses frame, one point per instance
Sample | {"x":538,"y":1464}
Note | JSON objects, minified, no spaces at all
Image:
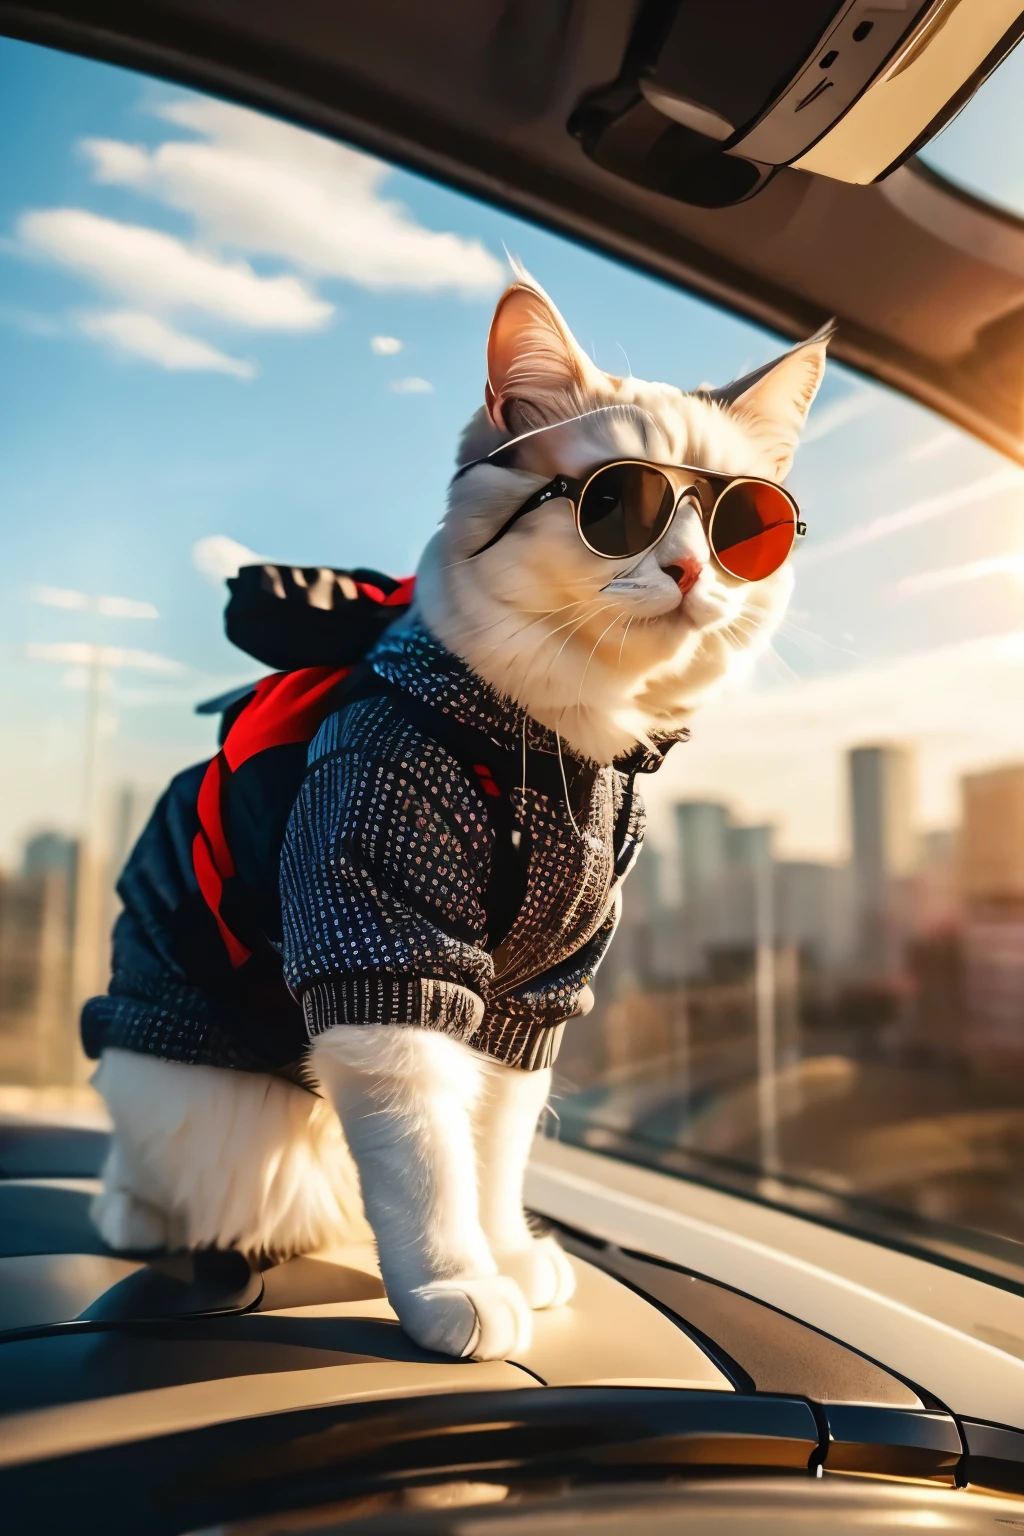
{"x":683,"y":478}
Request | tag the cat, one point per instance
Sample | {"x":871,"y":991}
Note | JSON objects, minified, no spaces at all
{"x":420,"y":1134}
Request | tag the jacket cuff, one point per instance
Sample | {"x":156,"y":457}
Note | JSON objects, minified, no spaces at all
{"x":370,"y":998}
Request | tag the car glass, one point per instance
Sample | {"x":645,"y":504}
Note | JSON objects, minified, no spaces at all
{"x":980,"y":149}
{"x":226,"y":338}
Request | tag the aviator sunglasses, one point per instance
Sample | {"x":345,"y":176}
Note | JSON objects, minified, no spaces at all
{"x":624,"y":508}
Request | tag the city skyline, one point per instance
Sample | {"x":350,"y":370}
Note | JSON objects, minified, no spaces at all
{"x":777,"y":752}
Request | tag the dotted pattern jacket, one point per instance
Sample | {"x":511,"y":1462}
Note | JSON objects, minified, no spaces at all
{"x":384,"y":879}
{"x":386,"y":864}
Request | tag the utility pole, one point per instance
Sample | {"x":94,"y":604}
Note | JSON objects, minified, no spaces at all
{"x":88,"y":959}
{"x":765,"y":1012}
{"x":87,"y":954}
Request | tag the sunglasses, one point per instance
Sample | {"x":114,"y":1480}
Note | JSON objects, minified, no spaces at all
{"x":625,"y":508}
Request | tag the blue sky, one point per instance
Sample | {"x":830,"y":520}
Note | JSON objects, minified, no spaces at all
{"x":189,"y":297}
{"x":981,"y":147}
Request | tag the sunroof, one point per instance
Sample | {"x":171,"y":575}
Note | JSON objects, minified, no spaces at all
{"x":983,"y":148}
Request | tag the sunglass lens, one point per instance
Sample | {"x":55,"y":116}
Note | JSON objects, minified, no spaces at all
{"x":625,"y":509}
{"x":752,"y":530}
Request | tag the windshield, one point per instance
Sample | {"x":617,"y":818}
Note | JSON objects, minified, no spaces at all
{"x":980,"y":150}
{"x":228,"y":340}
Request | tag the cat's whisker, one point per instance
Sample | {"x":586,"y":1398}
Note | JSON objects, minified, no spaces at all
{"x":745,"y":624}
{"x":625,"y":632}
{"x":511,"y":617}
{"x":559,"y":627}
{"x":808,"y":638}
{"x":790,"y":671}
{"x":579,"y":697}
{"x":542,"y":613}
{"x":769,"y":650}
{"x":538,"y":649}
{"x":543,"y":641}
{"x":579,"y":626}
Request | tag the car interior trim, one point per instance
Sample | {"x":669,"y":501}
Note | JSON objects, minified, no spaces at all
{"x":876,"y":131}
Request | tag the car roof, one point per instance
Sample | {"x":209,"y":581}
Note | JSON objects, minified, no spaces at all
{"x":926,"y":282}
{"x":203,"y":1388}
{"x":100,"y":1352}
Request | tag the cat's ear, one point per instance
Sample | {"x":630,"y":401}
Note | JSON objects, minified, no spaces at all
{"x":776,"y":399}
{"x":534,"y":362}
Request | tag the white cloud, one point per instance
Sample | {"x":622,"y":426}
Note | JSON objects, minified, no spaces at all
{"x":219,"y":557}
{"x":252,"y":187}
{"x":79,"y":653}
{"x":159,"y":271}
{"x":126,"y":608}
{"x":256,"y":184}
{"x":84,"y":602}
{"x":148,"y":337}
{"x":411,"y":386}
{"x":60,"y":597}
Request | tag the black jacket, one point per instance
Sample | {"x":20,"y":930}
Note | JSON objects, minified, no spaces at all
{"x":385,"y":879}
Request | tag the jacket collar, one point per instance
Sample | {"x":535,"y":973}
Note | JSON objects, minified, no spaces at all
{"x":411,"y":658}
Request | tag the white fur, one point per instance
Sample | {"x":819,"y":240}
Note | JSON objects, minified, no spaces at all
{"x":407,"y":1099}
{"x":604,"y":665}
{"x":606,"y":653}
{"x":204,"y":1156}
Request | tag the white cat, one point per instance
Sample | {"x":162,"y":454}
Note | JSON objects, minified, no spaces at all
{"x":607,"y":653}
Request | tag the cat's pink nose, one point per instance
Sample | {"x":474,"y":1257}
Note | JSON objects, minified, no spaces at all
{"x":685,"y":573}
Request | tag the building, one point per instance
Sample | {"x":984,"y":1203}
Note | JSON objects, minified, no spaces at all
{"x":38,"y":1020}
{"x":748,"y":915}
{"x":883,"y":850}
{"x":992,"y":836}
{"x":702,"y":829}
{"x":50,"y":853}
{"x":937,"y":900}
{"x":725,"y":880}
{"x":812,"y":905}
{"x":749,"y":848}
{"x":991,"y":874}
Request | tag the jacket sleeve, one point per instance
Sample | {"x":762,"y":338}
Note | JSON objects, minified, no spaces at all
{"x":383,"y":874}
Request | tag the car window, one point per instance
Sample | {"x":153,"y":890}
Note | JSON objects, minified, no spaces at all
{"x":225,"y":338}
{"x":980,"y":149}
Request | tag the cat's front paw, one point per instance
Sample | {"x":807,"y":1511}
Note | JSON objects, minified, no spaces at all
{"x":541,"y":1270}
{"x":481,"y":1319}
{"x":127,"y":1224}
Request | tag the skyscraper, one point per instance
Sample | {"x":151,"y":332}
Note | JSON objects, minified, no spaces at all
{"x":992,"y":839}
{"x":725,"y":876}
{"x":991,"y":867}
{"x":883,"y":847}
{"x":749,"y":848}
{"x":38,"y":1024}
{"x":812,"y":903}
{"x":702,"y":830}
